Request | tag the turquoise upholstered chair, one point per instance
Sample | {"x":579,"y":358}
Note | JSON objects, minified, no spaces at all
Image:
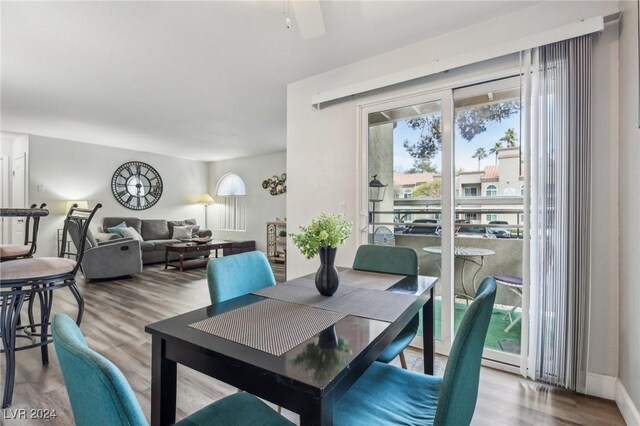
{"x":239,"y":274}
{"x":101,"y":395}
{"x":391,"y":260}
{"x":390,"y":395}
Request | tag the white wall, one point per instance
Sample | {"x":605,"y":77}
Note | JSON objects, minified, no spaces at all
{"x":261,"y":206}
{"x":81,"y":171}
{"x":604,"y":212}
{"x":629,"y":177}
{"x":325,"y":142}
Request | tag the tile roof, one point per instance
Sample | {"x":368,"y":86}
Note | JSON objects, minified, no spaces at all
{"x":405,"y":179}
{"x":490,"y":173}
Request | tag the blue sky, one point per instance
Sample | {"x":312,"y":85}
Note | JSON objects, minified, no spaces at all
{"x":463,"y":149}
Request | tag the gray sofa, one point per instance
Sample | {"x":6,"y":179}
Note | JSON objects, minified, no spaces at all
{"x":107,"y":259}
{"x":156,"y":234}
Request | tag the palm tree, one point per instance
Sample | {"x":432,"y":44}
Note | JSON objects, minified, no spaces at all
{"x":510,"y":138}
{"x":480,"y":154}
{"x":497,"y":147}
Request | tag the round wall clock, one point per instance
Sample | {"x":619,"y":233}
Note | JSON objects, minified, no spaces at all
{"x":136,"y":185}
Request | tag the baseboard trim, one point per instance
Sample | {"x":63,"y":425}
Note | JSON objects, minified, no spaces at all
{"x":601,"y":386}
{"x":626,"y":406}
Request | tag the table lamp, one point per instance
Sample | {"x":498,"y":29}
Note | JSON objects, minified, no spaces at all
{"x":82,"y":204}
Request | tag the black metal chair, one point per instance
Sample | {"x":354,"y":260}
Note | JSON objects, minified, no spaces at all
{"x":31,"y":278}
{"x":28,"y":249}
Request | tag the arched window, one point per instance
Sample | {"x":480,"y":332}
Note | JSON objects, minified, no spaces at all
{"x":522,"y":190}
{"x":491,"y":191}
{"x":230,"y":205}
{"x":230,"y":185}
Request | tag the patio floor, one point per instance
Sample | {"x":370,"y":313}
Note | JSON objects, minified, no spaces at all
{"x":496,"y":337}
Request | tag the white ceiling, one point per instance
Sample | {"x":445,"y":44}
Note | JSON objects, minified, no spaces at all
{"x":201,"y":80}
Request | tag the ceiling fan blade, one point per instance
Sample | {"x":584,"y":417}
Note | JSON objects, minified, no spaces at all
{"x":309,"y":19}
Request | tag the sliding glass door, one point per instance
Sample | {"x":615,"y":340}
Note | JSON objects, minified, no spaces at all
{"x":409,"y":152}
{"x":488,"y":203}
{"x":444,"y":176}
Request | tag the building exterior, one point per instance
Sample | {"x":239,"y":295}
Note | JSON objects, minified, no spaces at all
{"x":492,"y":194}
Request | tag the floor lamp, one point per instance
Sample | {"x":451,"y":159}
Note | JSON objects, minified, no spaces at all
{"x":207,"y":200}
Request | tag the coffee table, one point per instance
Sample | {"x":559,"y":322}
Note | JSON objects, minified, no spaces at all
{"x":182,"y":248}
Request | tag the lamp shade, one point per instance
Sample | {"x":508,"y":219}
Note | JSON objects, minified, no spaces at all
{"x":82,"y":204}
{"x":205,"y":199}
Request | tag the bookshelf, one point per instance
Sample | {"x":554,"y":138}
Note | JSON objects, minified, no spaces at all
{"x":277,"y":248}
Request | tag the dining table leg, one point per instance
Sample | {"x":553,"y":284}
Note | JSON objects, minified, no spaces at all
{"x":317,"y":413}
{"x":163,"y":385}
{"x":428,"y":342}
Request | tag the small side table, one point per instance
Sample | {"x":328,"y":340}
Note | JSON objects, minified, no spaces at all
{"x":515,"y":285}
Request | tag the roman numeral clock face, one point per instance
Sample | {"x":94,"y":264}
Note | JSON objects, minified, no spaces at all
{"x":136,"y":185}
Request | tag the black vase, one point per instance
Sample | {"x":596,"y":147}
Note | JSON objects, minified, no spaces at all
{"x":327,"y":278}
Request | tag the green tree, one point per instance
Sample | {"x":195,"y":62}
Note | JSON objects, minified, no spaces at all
{"x":494,"y":150}
{"x":469,"y":121}
{"x":510,"y":138}
{"x":422,"y":167}
{"x":428,"y":189}
{"x":480,"y":154}
{"x":430,"y":140}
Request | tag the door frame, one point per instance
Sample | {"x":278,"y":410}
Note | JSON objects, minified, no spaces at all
{"x":444,"y":93}
{"x":5,"y":196}
{"x":17,"y":223}
{"x":444,"y":96}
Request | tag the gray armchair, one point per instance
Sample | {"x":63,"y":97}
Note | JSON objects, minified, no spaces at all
{"x":108,"y":259}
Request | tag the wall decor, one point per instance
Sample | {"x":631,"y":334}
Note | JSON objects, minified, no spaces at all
{"x":275,"y":185}
{"x":136,"y":185}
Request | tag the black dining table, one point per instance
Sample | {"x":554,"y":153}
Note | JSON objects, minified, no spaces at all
{"x":307,"y":379}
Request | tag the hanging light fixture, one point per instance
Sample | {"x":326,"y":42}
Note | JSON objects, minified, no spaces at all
{"x":285,"y":12}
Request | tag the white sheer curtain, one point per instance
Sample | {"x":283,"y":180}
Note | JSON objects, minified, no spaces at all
{"x":557,"y":101}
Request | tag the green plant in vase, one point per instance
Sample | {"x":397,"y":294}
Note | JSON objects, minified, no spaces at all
{"x":323,"y":236}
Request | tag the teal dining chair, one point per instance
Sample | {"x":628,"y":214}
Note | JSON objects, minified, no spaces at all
{"x":391,"y":260}
{"x":390,"y":395}
{"x":239,"y":274}
{"x":101,"y":395}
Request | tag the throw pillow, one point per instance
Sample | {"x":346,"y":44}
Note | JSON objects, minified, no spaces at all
{"x":194,"y":231}
{"x":116,"y":229}
{"x":105,"y":236}
{"x":182,"y":232}
{"x":131,"y":233}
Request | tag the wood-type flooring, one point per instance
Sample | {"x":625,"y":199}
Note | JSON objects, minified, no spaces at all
{"x":115,"y":315}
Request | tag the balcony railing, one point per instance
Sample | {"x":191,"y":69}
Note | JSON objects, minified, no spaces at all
{"x":415,"y":214}
{"x":416,"y":223}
